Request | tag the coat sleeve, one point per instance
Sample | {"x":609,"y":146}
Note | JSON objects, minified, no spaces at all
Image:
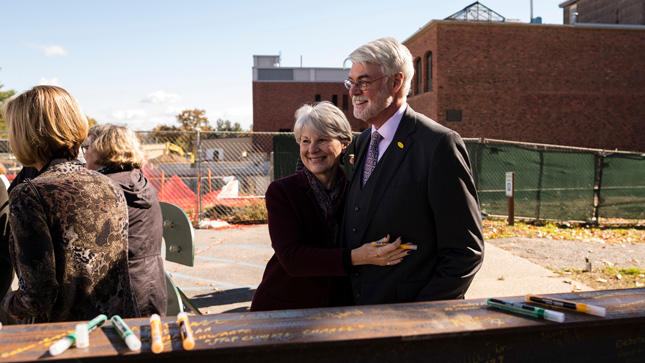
{"x":299,"y":242}
{"x":32,"y":253}
{"x":6,"y":267}
{"x":460,"y":242}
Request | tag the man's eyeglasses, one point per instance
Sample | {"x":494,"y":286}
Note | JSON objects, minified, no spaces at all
{"x":361,"y":85}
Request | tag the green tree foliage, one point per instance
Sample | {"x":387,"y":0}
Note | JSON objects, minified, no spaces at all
{"x":190,"y":121}
{"x":193,"y":120}
{"x":4,"y":95}
{"x":225,"y":125}
{"x":91,"y":122}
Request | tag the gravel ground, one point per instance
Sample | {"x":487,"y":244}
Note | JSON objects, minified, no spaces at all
{"x":560,"y":254}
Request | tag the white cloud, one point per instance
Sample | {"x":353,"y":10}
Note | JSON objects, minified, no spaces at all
{"x":49,"y":50}
{"x":132,"y":114}
{"x":161,"y":97}
{"x":173,"y":110}
{"x":50,"y":82}
{"x":54,"y":50}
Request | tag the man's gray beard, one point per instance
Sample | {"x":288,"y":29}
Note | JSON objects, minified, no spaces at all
{"x":383,"y":101}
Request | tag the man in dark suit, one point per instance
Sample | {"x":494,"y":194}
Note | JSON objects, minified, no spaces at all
{"x":415,"y":183}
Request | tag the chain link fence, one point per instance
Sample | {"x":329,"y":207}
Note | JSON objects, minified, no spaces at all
{"x":224,"y":175}
{"x":558,"y":183}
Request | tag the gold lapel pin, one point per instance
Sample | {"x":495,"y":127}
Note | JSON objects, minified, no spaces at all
{"x":400,"y":144}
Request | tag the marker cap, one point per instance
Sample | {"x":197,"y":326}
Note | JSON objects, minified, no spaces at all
{"x":133,"y":342}
{"x":553,"y":316}
{"x":60,"y":346}
{"x":595,"y":310}
{"x":82,"y":336}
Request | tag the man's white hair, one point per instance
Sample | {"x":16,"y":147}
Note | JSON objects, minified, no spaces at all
{"x":392,"y":56}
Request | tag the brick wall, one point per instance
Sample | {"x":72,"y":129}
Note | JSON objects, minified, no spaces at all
{"x":275,"y":103}
{"x":576,"y":86}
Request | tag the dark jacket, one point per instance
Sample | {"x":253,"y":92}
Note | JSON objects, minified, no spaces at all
{"x":421,"y":190}
{"x":144,"y":241}
{"x":68,"y":244}
{"x":299,"y":274}
{"x":6,"y":268}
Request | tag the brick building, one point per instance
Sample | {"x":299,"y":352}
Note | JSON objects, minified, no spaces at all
{"x":566,"y":85}
{"x":581,"y":85}
{"x":279,"y":91}
{"x":604,"y":11}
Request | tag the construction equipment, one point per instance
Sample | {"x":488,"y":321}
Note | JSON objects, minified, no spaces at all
{"x":177,"y":149}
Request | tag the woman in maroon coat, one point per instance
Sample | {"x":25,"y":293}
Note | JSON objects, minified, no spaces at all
{"x":309,"y":268}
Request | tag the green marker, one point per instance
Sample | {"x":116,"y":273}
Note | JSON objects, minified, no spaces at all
{"x":131,"y":340}
{"x":63,"y":344}
{"x":527,"y":310}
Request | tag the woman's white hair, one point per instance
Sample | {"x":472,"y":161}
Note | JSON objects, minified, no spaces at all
{"x":392,"y":56}
{"x":324,"y":119}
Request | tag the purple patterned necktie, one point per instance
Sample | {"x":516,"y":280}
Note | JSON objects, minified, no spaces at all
{"x":372,"y":156}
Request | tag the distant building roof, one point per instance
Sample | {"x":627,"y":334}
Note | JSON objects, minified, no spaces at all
{"x":476,"y":12}
{"x":266,"y":68}
{"x":567,"y":3}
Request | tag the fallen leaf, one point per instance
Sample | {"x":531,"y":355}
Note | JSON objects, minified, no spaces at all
{"x":601,"y":280}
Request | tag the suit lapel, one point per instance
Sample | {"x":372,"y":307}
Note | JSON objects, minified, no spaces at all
{"x":390,"y":162}
{"x":360,"y":153}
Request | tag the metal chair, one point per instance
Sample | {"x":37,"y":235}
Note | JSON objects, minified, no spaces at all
{"x":179,"y":238}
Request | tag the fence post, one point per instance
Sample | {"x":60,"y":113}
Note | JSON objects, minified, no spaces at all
{"x":510,"y":193}
{"x":599,"y":165}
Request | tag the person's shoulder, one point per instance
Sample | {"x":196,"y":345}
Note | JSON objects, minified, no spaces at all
{"x":428,"y":127}
{"x":424,"y":122}
{"x":292,"y":180}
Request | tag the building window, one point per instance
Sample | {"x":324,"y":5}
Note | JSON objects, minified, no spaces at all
{"x":419,"y":80}
{"x":428,"y":72}
{"x":317,"y":98}
{"x":334,"y":100}
{"x":573,"y":14}
{"x":345,"y":102}
{"x":453,"y":115}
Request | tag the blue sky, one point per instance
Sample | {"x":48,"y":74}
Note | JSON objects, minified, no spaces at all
{"x":139,"y":63}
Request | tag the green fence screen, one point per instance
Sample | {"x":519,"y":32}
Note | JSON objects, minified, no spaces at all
{"x":550,"y":182}
{"x":622,"y":186}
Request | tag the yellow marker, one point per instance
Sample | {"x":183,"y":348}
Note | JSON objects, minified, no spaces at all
{"x":565,"y":304}
{"x":400,"y":144}
{"x":155,"y":332}
{"x":186,"y":333}
{"x":403,"y":246}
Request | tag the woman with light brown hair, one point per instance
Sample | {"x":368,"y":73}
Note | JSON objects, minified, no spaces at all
{"x":115,"y":151}
{"x":68,"y":224}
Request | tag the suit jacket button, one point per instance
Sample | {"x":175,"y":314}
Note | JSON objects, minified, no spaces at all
{"x":354,"y":230}
{"x":357,"y":209}
{"x":358,"y":295}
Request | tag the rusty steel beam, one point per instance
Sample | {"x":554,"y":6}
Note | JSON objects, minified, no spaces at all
{"x":445,"y":331}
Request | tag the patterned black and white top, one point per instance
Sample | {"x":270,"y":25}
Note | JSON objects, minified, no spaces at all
{"x":69,"y":247}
